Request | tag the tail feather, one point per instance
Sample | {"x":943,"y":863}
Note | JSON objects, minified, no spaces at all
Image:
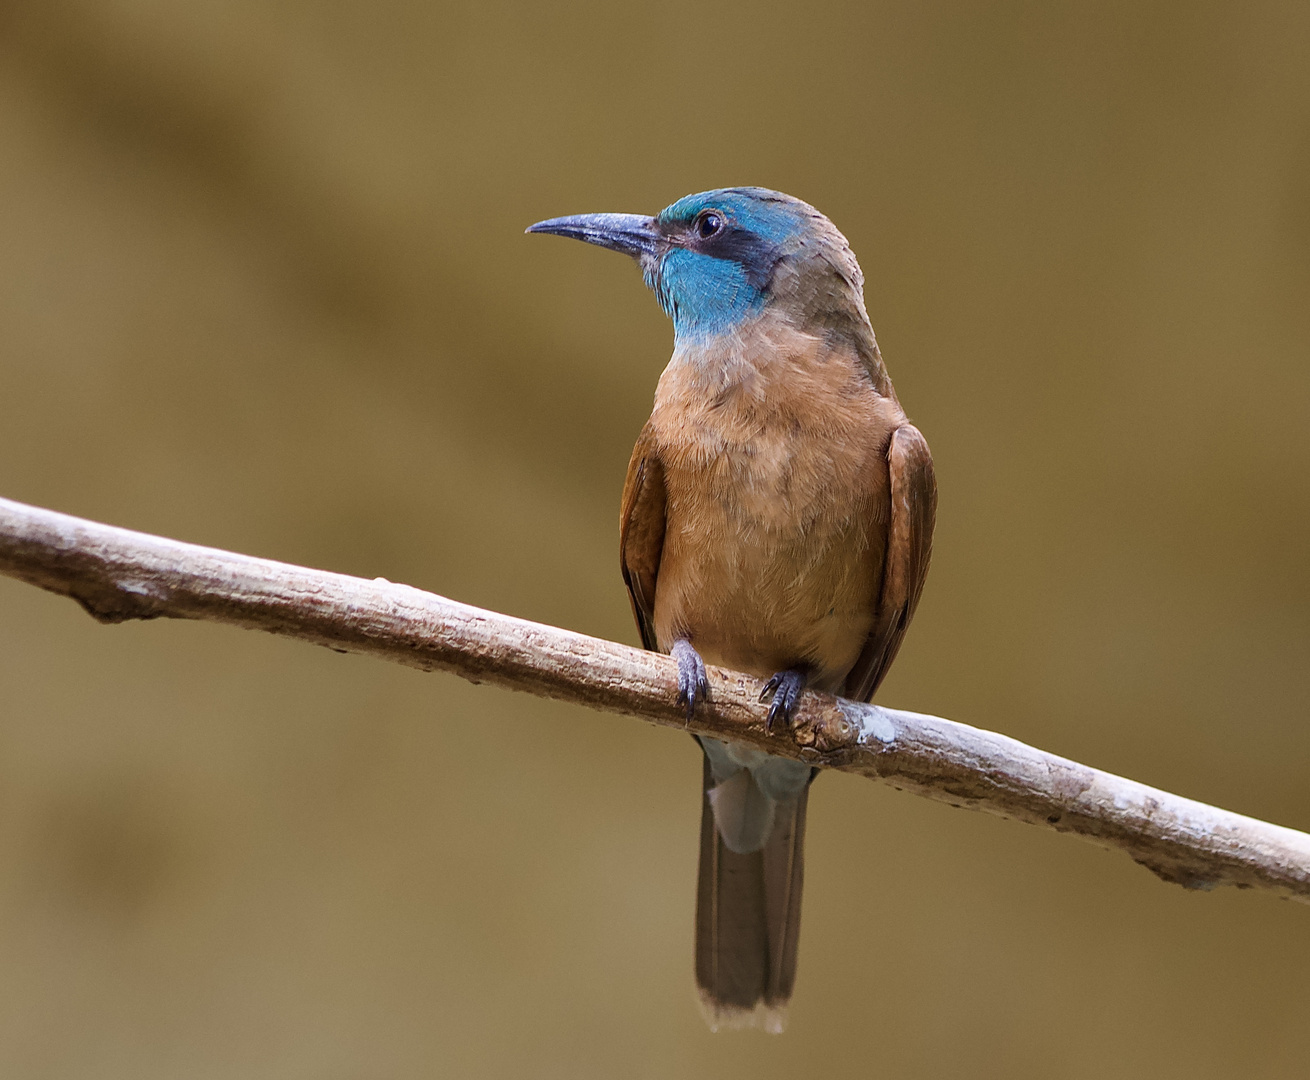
{"x":748,"y":911}
{"x":743,"y":814}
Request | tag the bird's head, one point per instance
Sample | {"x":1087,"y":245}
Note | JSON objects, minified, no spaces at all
{"x":718,"y":259}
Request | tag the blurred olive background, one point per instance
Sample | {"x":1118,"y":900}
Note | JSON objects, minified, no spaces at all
{"x":264,"y":287}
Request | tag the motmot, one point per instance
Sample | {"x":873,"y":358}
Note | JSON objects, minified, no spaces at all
{"x":777,"y":520}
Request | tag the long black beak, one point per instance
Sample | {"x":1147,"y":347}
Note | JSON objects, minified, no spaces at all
{"x":632,"y":234}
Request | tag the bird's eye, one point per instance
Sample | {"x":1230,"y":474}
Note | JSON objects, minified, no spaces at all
{"x":709,"y":224}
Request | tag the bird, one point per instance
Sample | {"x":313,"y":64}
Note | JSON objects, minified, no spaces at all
{"x":777,"y":520}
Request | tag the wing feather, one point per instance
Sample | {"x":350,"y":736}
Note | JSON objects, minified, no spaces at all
{"x":909,"y":549}
{"x":641,"y":532}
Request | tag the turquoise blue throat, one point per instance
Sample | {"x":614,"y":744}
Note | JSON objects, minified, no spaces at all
{"x":705,"y":297}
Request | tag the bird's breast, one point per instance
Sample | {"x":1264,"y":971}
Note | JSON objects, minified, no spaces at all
{"x":777,"y":505}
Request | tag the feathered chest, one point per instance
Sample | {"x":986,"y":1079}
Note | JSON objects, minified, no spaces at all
{"x":777,"y":504}
{"x":789,"y":439}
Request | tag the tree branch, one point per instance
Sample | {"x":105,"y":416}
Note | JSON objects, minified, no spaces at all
{"x":116,"y":574}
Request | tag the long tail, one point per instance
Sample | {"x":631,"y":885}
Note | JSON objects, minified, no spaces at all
{"x":748,"y":917}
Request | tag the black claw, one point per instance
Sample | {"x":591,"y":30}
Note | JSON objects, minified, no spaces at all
{"x":693,"y":683}
{"x":785,"y":688}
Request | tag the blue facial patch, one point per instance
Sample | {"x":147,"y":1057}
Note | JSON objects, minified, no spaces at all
{"x":704,"y":296}
{"x":775,"y":220}
{"x":709,"y":288}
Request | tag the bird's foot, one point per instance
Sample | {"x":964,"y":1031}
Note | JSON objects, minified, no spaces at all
{"x":693,"y":683}
{"x":785,"y":687}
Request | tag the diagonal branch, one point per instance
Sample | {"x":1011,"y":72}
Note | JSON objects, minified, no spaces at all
{"x":116,"y":574}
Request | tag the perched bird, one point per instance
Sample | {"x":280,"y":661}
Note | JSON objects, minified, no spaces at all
{"x":777,"y":519}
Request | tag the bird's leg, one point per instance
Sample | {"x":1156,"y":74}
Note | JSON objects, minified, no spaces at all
{"x":785,"y":688}
{"x":693,"y":684}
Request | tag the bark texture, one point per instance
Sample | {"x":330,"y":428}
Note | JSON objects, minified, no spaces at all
{"x":117,"y":574}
